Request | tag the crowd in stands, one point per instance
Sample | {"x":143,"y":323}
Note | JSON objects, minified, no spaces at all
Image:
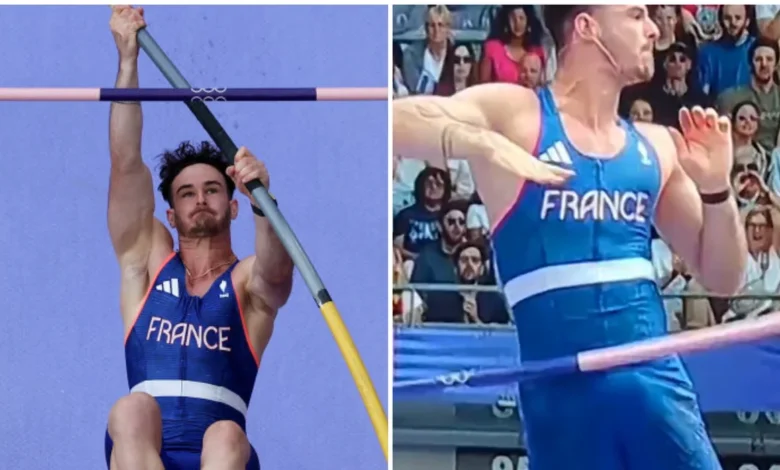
{"x":709,"y":55}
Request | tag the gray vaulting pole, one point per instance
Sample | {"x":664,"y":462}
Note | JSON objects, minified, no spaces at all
{"x":290,"y":242}
{"x":229,"y":149}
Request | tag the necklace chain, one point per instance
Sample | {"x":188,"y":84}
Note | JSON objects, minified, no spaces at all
{"x":209,"y":271}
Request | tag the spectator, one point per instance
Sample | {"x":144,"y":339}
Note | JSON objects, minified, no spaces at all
{"x":478,"y":307}
{"x":674,"y":86}
{"x":515,"y":32}
{"x":423,"y":62}
{"x":703,"y":20}
{"x":763,"y":262}
{"x":406,"y":170}
{"x":768,"y":19}
{"x":762,"y":90}
{"x":435,"y":265}
{"x":418,"y":224}
{"x":671,"y":31}
{"x":674,"y":278}
{"x":458,"y":71}
{"x":399,"y":87}
{"x":640,"y":110}
{"x":748,"y":151}
{"x":750,"y":188}
{"x":532,"y":71}
{"x":762,"y":273}
{"x":723,"y":63}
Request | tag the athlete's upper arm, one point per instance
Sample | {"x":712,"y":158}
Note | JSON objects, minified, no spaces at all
{"x":132,"y":227}
{"x":495,"y":104}
{"x":258,"y":298}
{"x":421,"y":122}
{"x":679,"y":215}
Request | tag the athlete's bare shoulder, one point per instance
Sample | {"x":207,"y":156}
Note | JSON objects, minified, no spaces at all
{"x":509,"y":109}
{"x":136,"y":280}
{"x":661,"y":138}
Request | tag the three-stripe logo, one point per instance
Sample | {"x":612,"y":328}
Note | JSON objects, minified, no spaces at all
{"x":556,"y":153}
{"x":169,"y":287}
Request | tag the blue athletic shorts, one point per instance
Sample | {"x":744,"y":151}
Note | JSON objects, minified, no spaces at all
{"x":180,"y":459}
{"x":637,"y":418}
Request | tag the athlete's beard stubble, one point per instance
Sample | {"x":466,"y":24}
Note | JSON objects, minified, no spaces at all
{"x":204,"y":226}
{"x":643,"y":73}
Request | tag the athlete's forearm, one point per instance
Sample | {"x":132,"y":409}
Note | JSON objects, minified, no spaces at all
{"x":273,"y":267}
{"x":722,"y":248}
{"x":434,"y":129}
{"x":126,"y":122}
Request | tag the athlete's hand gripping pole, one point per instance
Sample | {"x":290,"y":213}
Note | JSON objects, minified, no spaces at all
{"x":266,"y":203}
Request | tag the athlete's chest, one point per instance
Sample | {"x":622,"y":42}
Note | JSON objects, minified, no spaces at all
{"x":623,"y":188}
{"x":173,"y":313}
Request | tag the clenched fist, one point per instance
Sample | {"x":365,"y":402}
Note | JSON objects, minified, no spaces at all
{"x":125,"y":23}
{"x":245,"y":168}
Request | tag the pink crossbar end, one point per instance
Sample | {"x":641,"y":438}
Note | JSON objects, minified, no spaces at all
{"x":49,"y":94}
{"x":352,"y":94}
{"x":678,"y":343}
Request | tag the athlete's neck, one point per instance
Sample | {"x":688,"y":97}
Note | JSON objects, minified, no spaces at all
{"x":592,"y":99}
{"x":200,"y":255}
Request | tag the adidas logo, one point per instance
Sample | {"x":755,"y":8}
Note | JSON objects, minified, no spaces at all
{"x":169,"y":287}
{"x":556,"y":154}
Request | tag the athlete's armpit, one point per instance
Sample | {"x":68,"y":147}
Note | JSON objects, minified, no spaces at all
{"x":259,"y":296}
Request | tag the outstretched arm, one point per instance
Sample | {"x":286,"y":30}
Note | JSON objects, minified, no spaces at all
{"x":708,"y":236}
{"x":131,"y":194}
{"x":270,"y":277}
{"x":435,"y":128}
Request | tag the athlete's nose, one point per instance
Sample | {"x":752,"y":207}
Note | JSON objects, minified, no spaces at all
{"x":653,"y":31}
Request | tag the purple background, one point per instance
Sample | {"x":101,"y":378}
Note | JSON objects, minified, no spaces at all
{"x":61,"y":355}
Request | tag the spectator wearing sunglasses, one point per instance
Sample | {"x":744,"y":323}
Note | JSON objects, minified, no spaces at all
{"x":458,"y":71}
{"x":435,"y":265}
{"x":675,"y":86}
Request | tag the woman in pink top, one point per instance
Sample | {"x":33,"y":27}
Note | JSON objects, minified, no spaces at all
{"x":516,"y":31}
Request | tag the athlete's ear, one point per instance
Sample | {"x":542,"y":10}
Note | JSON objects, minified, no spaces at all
{"x":170,"y":216}
{"x":233,"y":209}
{"x":586,"y":27}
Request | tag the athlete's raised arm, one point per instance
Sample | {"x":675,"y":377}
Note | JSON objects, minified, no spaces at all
{"x":131,"y":222}
{"x":268,"y":273}
{"x":696,"y":212}
{"x":468,"y":125}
